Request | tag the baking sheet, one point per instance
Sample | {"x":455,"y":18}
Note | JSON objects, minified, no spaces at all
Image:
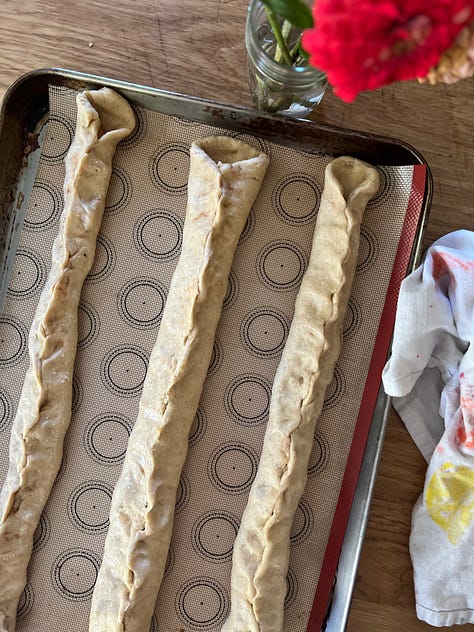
{"x":122,"y":302}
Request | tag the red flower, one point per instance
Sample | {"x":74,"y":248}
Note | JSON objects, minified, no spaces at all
{"x":365,"y":44}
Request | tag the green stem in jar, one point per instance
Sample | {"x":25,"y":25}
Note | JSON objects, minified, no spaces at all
{"x":280,"y":40}
{"x":285,"y":32}
{"x":260,"y":94}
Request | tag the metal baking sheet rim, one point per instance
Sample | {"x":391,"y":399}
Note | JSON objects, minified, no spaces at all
{"x":18,"y":127}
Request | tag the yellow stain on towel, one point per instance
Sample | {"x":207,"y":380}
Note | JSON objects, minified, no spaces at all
{"x":449,"y":499}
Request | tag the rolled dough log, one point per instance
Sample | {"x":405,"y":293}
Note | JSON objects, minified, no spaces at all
{"x":261,"y":549}
{"x":224,"y":179}
{"x":44,"y":409}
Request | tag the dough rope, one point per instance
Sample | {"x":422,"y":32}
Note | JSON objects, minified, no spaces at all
{"x":261,"y":549}
{"x":224,"y":179}
{"x":44,"y":408}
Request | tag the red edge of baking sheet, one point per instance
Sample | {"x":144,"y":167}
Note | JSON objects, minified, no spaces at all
{"x":369,"y":398}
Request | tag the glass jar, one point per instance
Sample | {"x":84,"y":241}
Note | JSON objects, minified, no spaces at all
{"x":276,"y":86}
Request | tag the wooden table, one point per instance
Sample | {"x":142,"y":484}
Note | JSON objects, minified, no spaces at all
{"x":197,"y":48}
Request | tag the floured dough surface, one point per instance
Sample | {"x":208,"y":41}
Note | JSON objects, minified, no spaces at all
{"x":261,"y":550}
{"x":44,"y":409}
{"x":224,"y":180}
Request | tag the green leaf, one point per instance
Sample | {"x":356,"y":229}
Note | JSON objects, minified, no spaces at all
{"x":295,"y":11}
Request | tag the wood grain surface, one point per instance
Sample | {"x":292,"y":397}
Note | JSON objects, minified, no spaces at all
{"x":196,"y":47}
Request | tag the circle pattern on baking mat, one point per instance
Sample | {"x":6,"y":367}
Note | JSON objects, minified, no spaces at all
{"x":28,"y":274}
{"x":13,"y":341}
{"x":119,"y":192}
{"x":253,"y":141}
{"x":216,"y":358}
{"x":352,"y":319}
{"x":291,"y":588}
{"x":88,"y":325}
{"x":158,"y":235}
{"x":44,"y":208}
{"x":139,"y":131}
{"x":141,"y":302}
{"x":213,"y":535}
{"x":26,"y":602}
{"x":296,"y":199}
{"x":123,"y":370}
{"x":77,"y":394}
{"x":89,"y":505}
{"x":170,"y":559}
{"x":62,"y":468}
{"x":368,"y":250}
{"x":42,"y":533}
{"x":104,"y":261}
{"x":74,"y":574}
{"x":6,"y":411}
{"x":319,"y":456}
{"x":232,"y":468}
{"x":281,"y":265}
{"x":264,"y":332}
{"x":232,"y":291}
{"x":58,"y":139}
{"x":169,"y":169}
{"x":249,"y":227}
{"x":303,"y":523}
{"x":202,"y":604}
{"x":336,"y":389}
{"x":247,"y":399}
{"x":183,"y":493}
{"x":106,"y":438}
{"x":385,"y":188}
{"x":198,"y":427}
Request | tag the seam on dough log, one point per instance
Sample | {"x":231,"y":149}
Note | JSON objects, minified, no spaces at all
{"x":304,"y":403}
{"x":205,"y":267}
{"x":188,"y":344}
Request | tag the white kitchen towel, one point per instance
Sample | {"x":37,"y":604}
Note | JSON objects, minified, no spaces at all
{"x":431,"y":375}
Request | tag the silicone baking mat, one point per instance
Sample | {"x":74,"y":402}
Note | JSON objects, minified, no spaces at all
{"x":121,"y":306}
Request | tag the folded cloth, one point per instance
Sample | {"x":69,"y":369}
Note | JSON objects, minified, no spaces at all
{"x":431,"y":375}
